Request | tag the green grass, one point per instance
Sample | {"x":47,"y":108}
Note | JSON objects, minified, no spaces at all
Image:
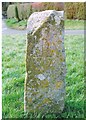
{"x":13,"y":23}
{"x":13,"y":76}
{"x":74,"y":24}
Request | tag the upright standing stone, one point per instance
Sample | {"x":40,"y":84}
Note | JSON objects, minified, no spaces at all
{"x":45,"y":63}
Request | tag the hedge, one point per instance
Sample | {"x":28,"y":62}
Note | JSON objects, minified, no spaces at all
{"x":80,"y":11}
{"x":75,"y":10}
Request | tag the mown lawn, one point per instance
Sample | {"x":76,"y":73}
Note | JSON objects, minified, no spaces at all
{"x":74,"y":24}
{"x":13,"y":75}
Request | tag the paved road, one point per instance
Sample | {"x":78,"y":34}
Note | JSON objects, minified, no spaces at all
{"x":75,"y":32}
{"x":9,"y":31}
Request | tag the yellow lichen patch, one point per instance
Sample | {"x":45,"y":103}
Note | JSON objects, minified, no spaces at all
{"x":61,"y":58}
{"x":34,"y":93}
{"x":58,"y":84}
{"x":39,"y":105}
{"x":59,"y":41}
{"x":30,"y":100}
{"x":44,"y":83}
{"x":46,"y":100}
{"x":53,"y":51}
{"x":48,"y":43}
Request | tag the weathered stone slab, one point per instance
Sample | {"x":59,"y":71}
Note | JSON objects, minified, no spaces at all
{"x":45,"y":63}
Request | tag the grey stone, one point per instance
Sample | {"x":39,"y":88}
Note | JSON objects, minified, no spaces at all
{"x":45,"y":63}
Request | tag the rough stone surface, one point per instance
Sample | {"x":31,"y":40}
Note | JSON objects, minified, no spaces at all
{"x":45,"y":63}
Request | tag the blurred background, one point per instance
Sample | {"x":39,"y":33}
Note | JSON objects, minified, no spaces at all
{"x":73,"y":10}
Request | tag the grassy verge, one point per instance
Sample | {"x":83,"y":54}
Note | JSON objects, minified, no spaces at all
{"x":13,"y":75}
{"x":13,"y":23}
{"x":68,"y":24}
{"x":74,"y":24}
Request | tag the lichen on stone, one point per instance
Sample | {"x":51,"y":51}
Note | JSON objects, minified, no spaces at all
{"x":45,"y":71}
